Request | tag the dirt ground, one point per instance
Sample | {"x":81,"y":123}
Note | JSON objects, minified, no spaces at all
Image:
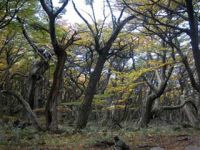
{"x":160,"y":142}
{"x":175,"y":142}
{"x":163,"y":138}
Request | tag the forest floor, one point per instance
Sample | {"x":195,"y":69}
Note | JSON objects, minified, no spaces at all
{"x":97,"y":138}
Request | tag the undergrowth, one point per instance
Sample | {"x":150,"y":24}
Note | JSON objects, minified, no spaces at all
{"x":16,"y":138}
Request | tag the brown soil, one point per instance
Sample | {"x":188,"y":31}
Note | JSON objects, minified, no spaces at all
{"x":174,"y":142}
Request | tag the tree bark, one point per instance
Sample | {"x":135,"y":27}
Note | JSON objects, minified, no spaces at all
{"x":37,"y":72}
{"x":104,"y":83}
{"x":86,"y":105}
{"x":193,"y":81}
{"x":193,"y":23}
{"x":189,"y":111}
{"x":31,"y":92}
{"x":147,"y":112}
{"x":52,"y":102}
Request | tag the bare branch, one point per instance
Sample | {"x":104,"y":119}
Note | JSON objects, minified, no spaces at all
{"x":31,"y":43}
{"x":46,"y":8}
{"x":95,"y":35}
{"x":158,"y":22}
{"x":4,"y":20}
{"x":116,"y":32}
{"x":71,"y":40}
{"x":121,"y":14}
{"x":86,"y":22}
{"x":112,"y":15}
{"x":178,"y":106}
{"x":26,"y":35}
{"x":154,"y":89}
{"x":61,"y":8}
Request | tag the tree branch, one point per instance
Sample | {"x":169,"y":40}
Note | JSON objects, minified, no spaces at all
{"x":115,"y":33}
{"x":26,"y":35}
{"x":175,"y":107}
{"x":61,"y":8}
{"x":86,"y":22}
{"x":46,"y":8}
{"x":26,"y":106}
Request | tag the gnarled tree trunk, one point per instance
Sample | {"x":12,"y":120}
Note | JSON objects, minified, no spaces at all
{"x":36,"y":74}
{"x":147,"y":110}
{"x":189,"y":112}
{"x":52,"y":102}
{"x":86,"y":105}
{"x":193,"y":23}
{"x":156,"y":93}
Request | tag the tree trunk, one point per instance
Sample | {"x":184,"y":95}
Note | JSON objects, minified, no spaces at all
{"x":52,"y":102}
{"x":38,"y":93}
{"x":36,"y":74}
{"x":104,"y":83}
{"x":147,"y":113}
{"x":27,"y":107}
{"x":86,"y":105}
{"x":193,"y":81}
{"x":190,"y":114}
{"x":31,"y":92}
{"x":193,"y":23}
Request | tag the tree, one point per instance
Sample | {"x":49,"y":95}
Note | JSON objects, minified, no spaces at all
{"x":8,"y":10}
{"x":12,"y":56}
{"x":59,"y":49}
{"x":103,"y":50}
{"x":152,"y":71}
{"x":171,"y":22}
{"x":176,"y":14}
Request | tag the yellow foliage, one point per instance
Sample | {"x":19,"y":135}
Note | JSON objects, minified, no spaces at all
{"x":7,"y":119}
{"x":99,"y":102}
{"x":82,"y":78}
{"x":114,"y":107}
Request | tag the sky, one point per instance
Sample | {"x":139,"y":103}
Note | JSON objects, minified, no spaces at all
{"x":73,"y":18}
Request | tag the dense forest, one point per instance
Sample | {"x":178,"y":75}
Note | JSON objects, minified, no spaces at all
{"x":130,"y":80}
